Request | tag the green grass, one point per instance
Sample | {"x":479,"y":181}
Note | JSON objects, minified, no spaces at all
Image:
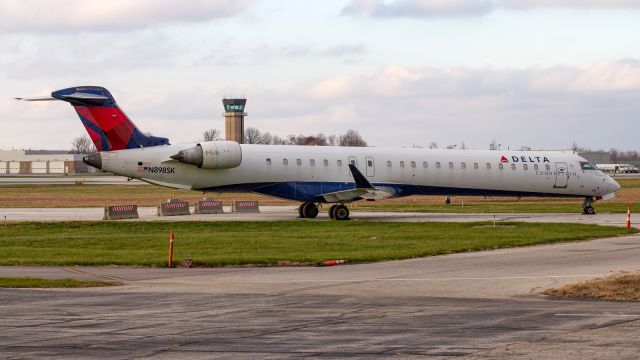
{"x":27,"y":282}
{"x":268,"y":243}
{"x":571,"y":207}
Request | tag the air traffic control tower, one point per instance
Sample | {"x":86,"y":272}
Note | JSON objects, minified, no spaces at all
{"x":234,"y":119}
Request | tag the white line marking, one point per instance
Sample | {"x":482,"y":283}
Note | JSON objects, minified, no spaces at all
{"x":604,"y":315}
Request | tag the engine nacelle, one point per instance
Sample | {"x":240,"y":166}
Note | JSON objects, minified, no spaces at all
{"x":212,"y":155}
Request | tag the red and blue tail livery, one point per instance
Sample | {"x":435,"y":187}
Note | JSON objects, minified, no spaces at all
{"x":108,"y":126}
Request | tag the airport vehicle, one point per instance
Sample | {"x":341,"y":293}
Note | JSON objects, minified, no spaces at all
{"x":325,"y":174}
{"x":618,"y":168}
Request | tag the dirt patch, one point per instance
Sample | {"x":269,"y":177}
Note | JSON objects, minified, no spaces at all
{"x":620,"y":287}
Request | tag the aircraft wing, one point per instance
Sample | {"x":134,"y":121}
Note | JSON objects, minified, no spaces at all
{"x":363,"y":190}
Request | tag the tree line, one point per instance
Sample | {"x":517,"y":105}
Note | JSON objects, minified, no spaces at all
{"x":254,"y":136}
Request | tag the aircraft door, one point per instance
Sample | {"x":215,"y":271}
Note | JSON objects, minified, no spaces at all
{"x":371,"y":170}
{"x":562,"y":176}
{"x":353,"y":161}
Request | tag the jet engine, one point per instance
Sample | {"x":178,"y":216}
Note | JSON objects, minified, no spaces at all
{"x":212,"y":155}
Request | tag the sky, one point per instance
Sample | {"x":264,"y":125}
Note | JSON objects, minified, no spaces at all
{"x":536,"y":73}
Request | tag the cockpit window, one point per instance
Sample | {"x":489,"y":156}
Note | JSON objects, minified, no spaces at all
{"x":587,"y":166}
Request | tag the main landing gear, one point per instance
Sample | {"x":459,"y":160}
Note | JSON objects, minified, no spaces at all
{"x":309,"y":210}
{"x":339,"y":212}
{"x":587,"y":207}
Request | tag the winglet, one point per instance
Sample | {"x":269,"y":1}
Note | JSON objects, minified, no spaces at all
{"x":361,"y":181}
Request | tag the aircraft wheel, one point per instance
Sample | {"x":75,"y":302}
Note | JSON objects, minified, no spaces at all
{"x":341,"y":212}
{"x":332,"y":214}
{"x":589,"y":210}
{"x":310,"y":210}
{"x":301,"y":209}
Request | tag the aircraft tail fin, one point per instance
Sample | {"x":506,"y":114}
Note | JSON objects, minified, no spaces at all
{"x":108,"y":127}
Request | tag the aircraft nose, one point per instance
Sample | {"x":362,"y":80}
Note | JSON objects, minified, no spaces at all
{"x":614,"y":185}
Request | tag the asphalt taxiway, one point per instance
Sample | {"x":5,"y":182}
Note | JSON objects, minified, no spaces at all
{"x":284,"y":213}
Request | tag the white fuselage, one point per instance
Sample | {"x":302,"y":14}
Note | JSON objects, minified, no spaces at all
{"x":297,"y":172}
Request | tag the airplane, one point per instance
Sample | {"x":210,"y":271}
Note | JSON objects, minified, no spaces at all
{"x":316,"y":175}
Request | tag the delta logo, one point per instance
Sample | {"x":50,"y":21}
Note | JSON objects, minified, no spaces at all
{"x":525,"y":159}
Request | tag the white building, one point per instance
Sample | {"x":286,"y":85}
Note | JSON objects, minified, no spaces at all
{"x":59,"y":162}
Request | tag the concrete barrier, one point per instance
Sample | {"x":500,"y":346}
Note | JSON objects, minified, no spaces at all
{"x":120,"y":212}
{"x":208,"y":206}
{"x":245,"y":206}
{"x":173,"y":207}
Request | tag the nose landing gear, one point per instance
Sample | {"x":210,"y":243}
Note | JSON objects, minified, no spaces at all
{"x":587,"y":207}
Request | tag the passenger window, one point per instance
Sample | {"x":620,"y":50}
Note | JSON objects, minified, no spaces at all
{"x":488,"y":166}
{"x":438,"y":164}
{"x":547,"y":167}
{"x":476,"y":166}
{"x":326,"y":162}
{"x":285,"y":162}
{"x":413,"y":164}
{"x":312,"y":162}
{"x":269,"y":161}
{"x":339,"y":162}
{"x":388,"y":163}
{"x":450,"y":165}
{"x":425,"y":164}
{"x":369,"y":163}
{"x":401,"y":164}
{"x":353,"y":162}
{"x":501,"y":166}
{"x":463,"y":165}
{"x":513,"y":166}
{"x":535,"y":167}
{"x":299,"y":162}
{"x":525,"y":166}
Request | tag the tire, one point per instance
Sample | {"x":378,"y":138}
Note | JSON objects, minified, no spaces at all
{"x":310,"y":210}
{"x":332,"y":209}
{"x":301,"y":210}
{"x":589,"y":210}
{"x":341,"y":212}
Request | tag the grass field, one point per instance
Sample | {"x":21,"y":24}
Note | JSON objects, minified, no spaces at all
{"x":27,"y":282}
{"x":13,"y":196}
{"x":268,"y":243}
{"x":621,"y":287}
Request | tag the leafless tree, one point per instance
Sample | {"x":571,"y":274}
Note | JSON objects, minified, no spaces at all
{"x":82,"y":145}
{"x":277,"y":140}
{"x":252,"y":136}
{"x":493,"y":145}
{"x":576,"y":147}
{"x":525,"y":148}
{"x":352,"y":138}
{"x":211,"y":135}
{"x":463,"y":146}
{"x":332,"y":140}
{"x":433,"y":145}
{"x":266,"y":138}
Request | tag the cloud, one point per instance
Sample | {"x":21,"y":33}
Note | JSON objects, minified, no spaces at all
{"x":541,"y":107}
{"x":455,"y":8}
{"x":113,"y":15}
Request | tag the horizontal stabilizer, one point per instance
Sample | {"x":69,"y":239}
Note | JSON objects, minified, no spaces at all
{"x":37,"y":98}
{"x":84,"y":96}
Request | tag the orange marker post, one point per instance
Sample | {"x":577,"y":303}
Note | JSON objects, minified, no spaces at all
{"x":629,"y":215}
{"x":170,"y":248}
